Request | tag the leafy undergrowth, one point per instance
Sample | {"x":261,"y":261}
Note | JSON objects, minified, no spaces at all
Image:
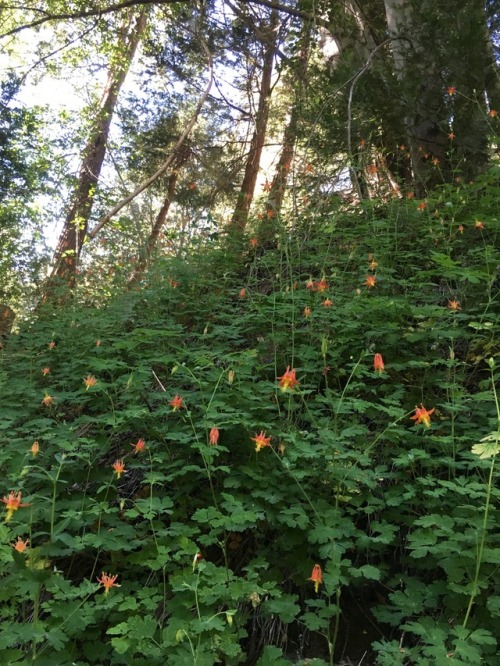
{"x":147,"y":528}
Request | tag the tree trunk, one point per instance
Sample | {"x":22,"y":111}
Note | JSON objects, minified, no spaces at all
{"x":443,"y":102}
{"x":161,"y":217}
{"x":421,"y":89}
{"x":75,"y":228}
{"x":277,"y":189}
{"x":245,"y":196}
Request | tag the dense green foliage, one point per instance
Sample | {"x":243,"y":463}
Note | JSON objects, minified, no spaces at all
{"x":213,"y":544}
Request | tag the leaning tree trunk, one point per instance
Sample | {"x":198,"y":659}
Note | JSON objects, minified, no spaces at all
{"x":182,"y":158}
{"x":245,"y":196}
{"x":274,"y":201}
{"x":75,"y":228}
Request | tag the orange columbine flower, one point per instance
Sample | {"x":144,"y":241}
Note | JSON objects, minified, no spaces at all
{"x":20,"y":545}
{"x":378,"y":363}
{"x":451,"y":91}
{"x":12,"y":503}
{"x":451,"y":136}
{"x":478,"y":224}
{"x":288,"y":380}
{"x":52,"y":344}
{"x":461,"y":228}
{"x":492,"y":113}
{"x":139,"y":446}
{"x":307,"y":312}
{"x":47,"y":400}
{"x":320,"y":286}
{"x":35,"y":449}
{"x":214,"y":436}
{"x":422,"y":415}
{"x":454,"y":305}
{"x":436,"y":161}
{"x":254,"y":242}
{"x":422,"y":206}
{"x":108,"y":582}
{"x":45,"y":371}
{"x":410,"y":195}
{"x":327,"y":303}
{"x":370,"y":281}
{"x":316,"y":577}
{"x":89,"y":381}
{"x":98,"y":343}
{"x":176,"y":403}
{"x":119,"y":467}
{"x":243,"y":292}
{"x":261,"y":440}
{"x":373,"y":265}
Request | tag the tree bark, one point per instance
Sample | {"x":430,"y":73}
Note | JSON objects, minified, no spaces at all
{"x":75,"y":228}
{"x":442,"y":101}
{"x":160,"y":218}
{"x":278,"y":186}
{"x":245,"y":196}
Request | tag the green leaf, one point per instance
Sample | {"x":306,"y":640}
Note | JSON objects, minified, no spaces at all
{"x":489,"y":446}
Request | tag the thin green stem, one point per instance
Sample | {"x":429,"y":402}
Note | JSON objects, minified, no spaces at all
{"x":489,"y":488}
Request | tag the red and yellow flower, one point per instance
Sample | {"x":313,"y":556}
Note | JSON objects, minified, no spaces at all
{"x":176,"y":403}
{"x":422,"y":415}
{"x":370,"y":281}
{"x":20,"y":545}
{"x":261,"y":440}
{"x":47,"y":400}
{"x":108,"y":582}
{"x":213,"y":437}
{"x":378,"y":363}
{"x":12,"y":504}
{"x":139,"y":446}
{"x":288,"y":380}
{"x":316,"y":577}
{"x":119,"y":467}
{"x":89,"y":381}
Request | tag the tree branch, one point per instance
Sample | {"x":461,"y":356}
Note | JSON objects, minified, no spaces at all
{"x":125,"y":4}
{"x":83,"y":13}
